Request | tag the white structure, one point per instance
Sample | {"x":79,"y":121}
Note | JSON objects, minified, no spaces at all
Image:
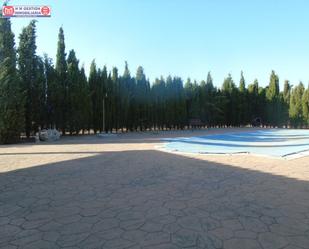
{"x":49,"y":135}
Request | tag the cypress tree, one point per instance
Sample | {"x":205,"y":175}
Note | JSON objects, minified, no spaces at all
{"x":73,"y":97}
{"x":62,"y":86}
{"x":242,"y":83}
{"x":204,"y":102}
{"x":286,"y":102}
{"x":95,"y":97}
{"x":142,"y":90}
{"x":106,"y":92}
{"x":180,"y":103}
{"x":273,"y":87}
{"x":272,"y":96}
{"x":262,"y":104}
{"x":110,"y":100}
{"x":296,"y":107}
{"x":51,"y":92}
{"x":40,"y":99}
{"x":287,"y":91}
{"x":11,"y":97}
{"x":212,"y":109}
{"x":230,"y":109}
{"x":84,"y":100}
{"x":242,"y":102}
{"x":130,"y":85}
{"x":189,"y":94}
{"x":159,"y":103}
{"x":31,"y":71}
{"x":62,"y":97}
{"x":116,"y":112}
{"x":305,"y":106}
{"x":125,"y":97}
{"x":253,"y":99}
{"x":170,"y":98}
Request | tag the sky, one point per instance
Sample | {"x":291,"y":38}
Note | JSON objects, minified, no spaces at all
{"x":185,"y":38}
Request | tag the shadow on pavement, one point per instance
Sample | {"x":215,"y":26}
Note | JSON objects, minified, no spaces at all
{"x":151,"y":199}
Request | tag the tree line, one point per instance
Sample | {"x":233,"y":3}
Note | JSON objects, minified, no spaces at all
{"x":36,"y":94}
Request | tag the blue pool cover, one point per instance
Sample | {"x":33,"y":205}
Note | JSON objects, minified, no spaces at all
{"x":270,"y":142}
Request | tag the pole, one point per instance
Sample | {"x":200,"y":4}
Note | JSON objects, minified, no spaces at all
{"x":103,"y":113}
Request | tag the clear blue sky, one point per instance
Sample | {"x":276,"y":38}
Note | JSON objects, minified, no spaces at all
{"x":186,"y":38}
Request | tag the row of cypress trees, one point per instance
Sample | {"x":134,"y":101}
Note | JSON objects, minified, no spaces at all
{"x":36,"y":94}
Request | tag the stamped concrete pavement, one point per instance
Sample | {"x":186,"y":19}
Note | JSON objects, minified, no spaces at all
{"x":151,"y":199}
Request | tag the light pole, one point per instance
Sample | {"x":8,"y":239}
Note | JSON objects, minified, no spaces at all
{"x":104,"y":96}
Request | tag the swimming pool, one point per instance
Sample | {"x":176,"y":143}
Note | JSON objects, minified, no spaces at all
{"x":282,"y":143}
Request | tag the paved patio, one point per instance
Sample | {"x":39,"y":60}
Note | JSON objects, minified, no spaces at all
{"x":151,"y":199}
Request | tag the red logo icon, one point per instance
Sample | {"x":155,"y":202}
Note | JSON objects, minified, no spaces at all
{"x":8,"y":11}
{"x":45,"y":10}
